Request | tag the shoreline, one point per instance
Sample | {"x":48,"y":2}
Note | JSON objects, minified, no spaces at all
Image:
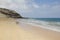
{"x":40,"y":26}
{"x":41,"y":32}
{"x":9,"y":30}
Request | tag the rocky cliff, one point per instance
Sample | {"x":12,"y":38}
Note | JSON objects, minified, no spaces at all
{"x":10,"y":13}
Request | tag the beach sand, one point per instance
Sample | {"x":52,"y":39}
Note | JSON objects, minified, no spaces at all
{"x":10,"y":30}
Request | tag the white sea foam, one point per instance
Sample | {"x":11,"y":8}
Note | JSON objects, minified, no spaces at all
{"x":55,"y":26}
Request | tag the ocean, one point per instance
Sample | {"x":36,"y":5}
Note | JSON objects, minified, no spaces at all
{"x":47,"y":23}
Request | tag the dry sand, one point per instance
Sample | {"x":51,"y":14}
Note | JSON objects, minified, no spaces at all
{"x":9,"y":30}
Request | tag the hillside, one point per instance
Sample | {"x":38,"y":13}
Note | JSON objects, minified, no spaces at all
{"x":9,"y":13}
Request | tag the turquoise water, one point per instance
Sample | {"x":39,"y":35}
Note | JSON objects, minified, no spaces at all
{"x":49,"y":19}
{"x":48,"y":23}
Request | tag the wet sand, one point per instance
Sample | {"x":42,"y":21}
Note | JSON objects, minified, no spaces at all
{"x":9,"y":30}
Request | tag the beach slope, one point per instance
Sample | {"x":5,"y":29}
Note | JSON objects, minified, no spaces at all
{"x":10,"y":30}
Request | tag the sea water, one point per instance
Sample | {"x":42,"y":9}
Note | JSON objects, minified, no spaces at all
{"x":47,"y":23}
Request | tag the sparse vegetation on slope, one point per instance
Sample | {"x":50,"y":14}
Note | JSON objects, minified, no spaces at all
{"x":10,"y":13}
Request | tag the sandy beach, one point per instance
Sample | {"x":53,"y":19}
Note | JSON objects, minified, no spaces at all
{"x":10,"y":30}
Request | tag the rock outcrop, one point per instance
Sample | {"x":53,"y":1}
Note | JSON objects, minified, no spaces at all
{"x":10,"y":13}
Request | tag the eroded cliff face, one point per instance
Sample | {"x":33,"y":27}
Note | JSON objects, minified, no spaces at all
{"x":9,"y":13}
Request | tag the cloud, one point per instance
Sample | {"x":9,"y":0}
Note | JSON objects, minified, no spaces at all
{"x":22,"y":5}
{"x":47,"y":11}
{"x":35,"y":6}
{"x":29,"y":8}
{"x":13,"y":4}
{"x":44,"y":10}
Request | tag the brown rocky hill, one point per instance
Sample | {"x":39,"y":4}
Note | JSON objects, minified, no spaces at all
{"x":10,"y":13}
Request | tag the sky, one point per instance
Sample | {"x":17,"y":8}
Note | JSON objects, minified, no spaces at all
{"x":34,"y":8}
